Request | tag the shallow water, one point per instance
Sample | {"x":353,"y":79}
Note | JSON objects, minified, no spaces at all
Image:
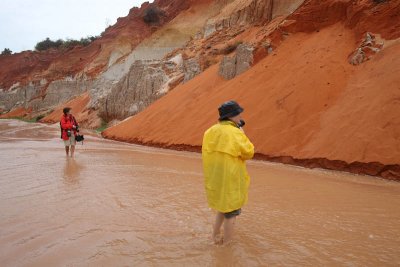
{"x":117,"y":204}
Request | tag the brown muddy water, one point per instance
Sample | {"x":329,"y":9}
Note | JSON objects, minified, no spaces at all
{"x":118,"y":204}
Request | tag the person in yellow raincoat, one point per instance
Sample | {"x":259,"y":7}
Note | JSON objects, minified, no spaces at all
{"x":225,"y":149}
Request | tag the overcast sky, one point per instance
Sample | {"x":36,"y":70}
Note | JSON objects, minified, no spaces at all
{"x":23,"y":23}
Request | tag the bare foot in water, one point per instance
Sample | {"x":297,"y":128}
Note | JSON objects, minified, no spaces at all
{"x":218,"y":239}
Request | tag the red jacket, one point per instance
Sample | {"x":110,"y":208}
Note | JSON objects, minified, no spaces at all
{"x":67,"y":123}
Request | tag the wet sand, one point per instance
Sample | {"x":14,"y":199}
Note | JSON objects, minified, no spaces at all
{"x":117,"y":204}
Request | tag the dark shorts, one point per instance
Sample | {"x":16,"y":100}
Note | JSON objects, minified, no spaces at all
{"x":232,"y":214}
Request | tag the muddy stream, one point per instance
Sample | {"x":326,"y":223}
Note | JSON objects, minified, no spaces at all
{"x":119,"y":204}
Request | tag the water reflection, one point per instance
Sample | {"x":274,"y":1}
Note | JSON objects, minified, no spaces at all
{"x":72,"y":171}
{"x":225,"y":255}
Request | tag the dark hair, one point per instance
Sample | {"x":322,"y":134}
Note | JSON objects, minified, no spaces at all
{"x":66,"y":110}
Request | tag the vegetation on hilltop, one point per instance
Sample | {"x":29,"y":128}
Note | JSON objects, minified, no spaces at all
{"x":6,"y":51}
{"x":61,"y":44}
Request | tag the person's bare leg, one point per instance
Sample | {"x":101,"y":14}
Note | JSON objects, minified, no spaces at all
{"x":219,"y":219}
{"x":229,"y":226}
{"x":72,"y":151}
{"x":67,"y":150}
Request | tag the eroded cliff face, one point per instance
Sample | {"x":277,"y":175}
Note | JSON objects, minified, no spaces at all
{"x":31,"y":79}
{"x":27,"y":77}
{"x":165,"y":46}
{"x":222,"y":36}
{"x":361,"y":16}
{"x":156,"y":56}
{"x":139,"y":88}
{"x":43,"y":96}
{"x":232,"y":66}
{"x":306,"y":102}
{"x":240,"y":12}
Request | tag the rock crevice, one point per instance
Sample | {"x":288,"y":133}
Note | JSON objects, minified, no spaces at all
{"x":231,"y":66}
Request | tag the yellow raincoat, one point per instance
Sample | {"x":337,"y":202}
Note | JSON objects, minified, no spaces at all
{"x":224,"y":151}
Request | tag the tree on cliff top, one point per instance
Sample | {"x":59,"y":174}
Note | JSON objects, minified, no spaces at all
{"x":6,"y":51}
{"x":153,"y":15}
{"x":61,"y":44}
{"x":47,"y":44}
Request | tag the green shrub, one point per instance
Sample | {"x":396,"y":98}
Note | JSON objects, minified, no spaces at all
{"x":61,"y":44}
{"x":47,"y":44}
{"x":6,"y":51}
{"x":102,"y":127}
{"x":152,"y":15}
{"x":38,"y":118}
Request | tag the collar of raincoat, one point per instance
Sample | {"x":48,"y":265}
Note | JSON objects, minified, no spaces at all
{"x":227,"y":122}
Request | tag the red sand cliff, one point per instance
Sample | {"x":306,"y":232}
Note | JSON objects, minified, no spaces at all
{"x":360,"y":16}
{"x":304,"y":104}
{"x":29,"y":66}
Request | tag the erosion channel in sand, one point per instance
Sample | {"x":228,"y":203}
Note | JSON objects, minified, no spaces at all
{"x":118,"y":204}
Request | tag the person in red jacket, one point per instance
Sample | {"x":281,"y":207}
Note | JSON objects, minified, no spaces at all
{"x":69,"y":128}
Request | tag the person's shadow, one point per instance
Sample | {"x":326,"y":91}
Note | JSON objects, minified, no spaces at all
{"x":72,"y":170}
